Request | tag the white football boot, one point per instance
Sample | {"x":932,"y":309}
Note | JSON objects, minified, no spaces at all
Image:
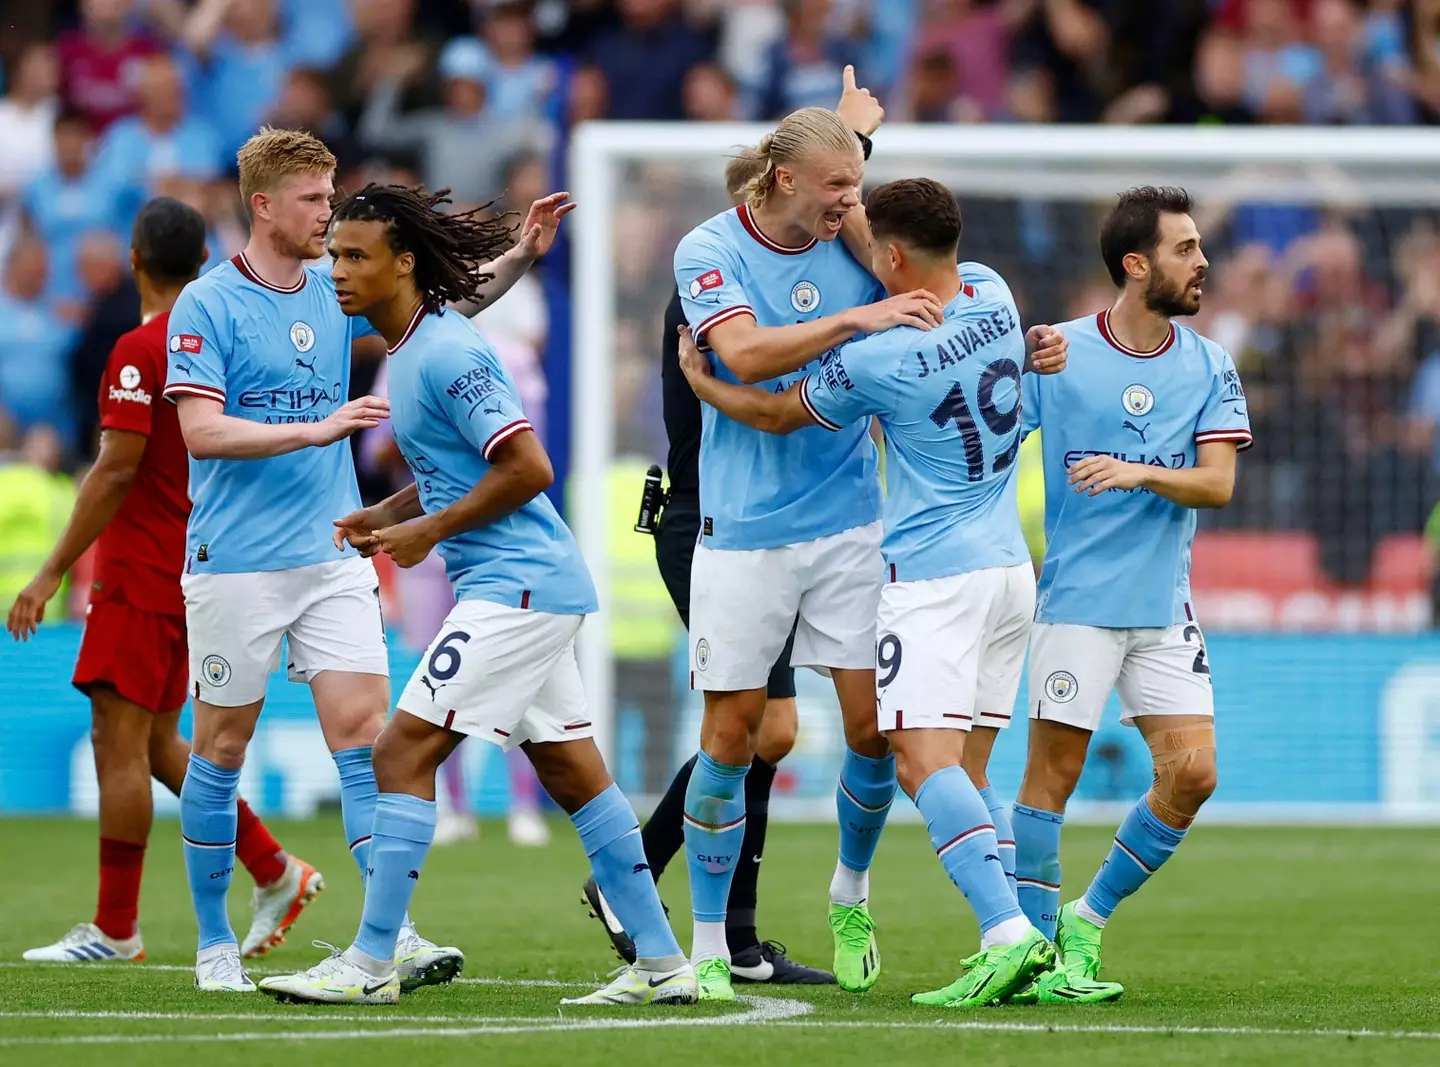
{"x":632,"y":985}
{"x":335,"y":980}
{"x":218,"y":970}
{"x":87,"y":943}
{"x":278,"y":905}
{"x":422,"y":962}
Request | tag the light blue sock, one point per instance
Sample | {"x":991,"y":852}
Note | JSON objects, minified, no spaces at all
{"x":357,"y":801}
{"x":714,"y":829}
{"x":964,"y":840}
{"x":610,"y":835}
{"x":862,"y":801}
{"x":1037,"y":865}
{"x":1004,"y":835}
{"x":1142,"y":844}
{"x":207,"y":829}
{"x":404,"y":826}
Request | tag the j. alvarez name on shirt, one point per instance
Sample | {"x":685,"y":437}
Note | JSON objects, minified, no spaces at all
{"x":309,"y":404}
{"x":977,"y":334}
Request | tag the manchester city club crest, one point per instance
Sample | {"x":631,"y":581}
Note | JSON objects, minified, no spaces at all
{"x":1061,"y":687}
{"x":1137,"y":400}
{"x":302,"y":336}
{"x":702,"y":654}
{"x":217,"y":671}
{"x":805,"y":297}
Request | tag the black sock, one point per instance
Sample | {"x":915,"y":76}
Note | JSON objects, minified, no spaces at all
{"x":740,"y":911}
{"x":664,"y":834}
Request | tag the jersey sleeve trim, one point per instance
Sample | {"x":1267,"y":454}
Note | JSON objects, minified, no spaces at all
{"x":834,"y":427}
{"x":504,"y":434}
{"x":192,"y":389}
{"x":719,"y":317}
{"x":1242,"y":438}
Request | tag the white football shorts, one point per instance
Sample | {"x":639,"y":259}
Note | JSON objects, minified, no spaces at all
{"x":951,"y":650}
{"x":329,"y":611}
{"x":502,"y":674}
{"x":1156,"y":670}
{"x":743,"y":603}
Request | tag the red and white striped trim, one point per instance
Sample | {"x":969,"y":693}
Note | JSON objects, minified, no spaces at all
{"x":243,"y":266}
{"x":713,"y":827}
{"x":1035,"y":883}
{"x":500,"y":436}
{"x":834,"y":427}
{"x":193,"y":389}
{"x":960,"y":839}
{"x":409,"y":330}
{"x":856,"y":801}
{"x":1242,"y":438}
{"x":1102,"y":320}
{"x":719,"y":317}
{"x":748,"y":221}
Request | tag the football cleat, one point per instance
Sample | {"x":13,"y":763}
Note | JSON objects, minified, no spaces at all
{"x":993,"y":976}
{"x":767,"y":962}
{"x":218,"y":970}
{"x":335,"y":980}
{"x":632,"y":985}
{"x":87,"y":943}
{"x":857,"y":956}
{"x":420,"y":962}
{"x":1079,"y":943}
{"x":713,"y":978}
{"x":599,"y":908}
{"x":278,"y":905}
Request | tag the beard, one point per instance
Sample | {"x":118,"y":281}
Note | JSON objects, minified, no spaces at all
{"x":1170,"y":299}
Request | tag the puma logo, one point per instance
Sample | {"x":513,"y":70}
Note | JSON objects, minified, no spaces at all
{"x":1138,"y":429}
{"x":640,"y":867}
{"x":414,"y":875}
{"x":491,"y":411}
{"x":185,"y":369}
{"x":308,"y":366}
{"x":434,"y":689}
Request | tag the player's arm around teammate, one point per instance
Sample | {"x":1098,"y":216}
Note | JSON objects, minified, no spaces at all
{"x":1144,"y":434}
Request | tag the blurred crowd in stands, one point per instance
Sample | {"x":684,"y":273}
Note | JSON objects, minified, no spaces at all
{"x":1333,"y":316}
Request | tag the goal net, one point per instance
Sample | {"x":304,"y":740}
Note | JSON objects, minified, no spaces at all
{"x":1314,"y":586}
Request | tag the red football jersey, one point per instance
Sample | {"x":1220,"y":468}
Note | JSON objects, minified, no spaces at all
{"x":140,"y":555}
{"x":99,"y":82}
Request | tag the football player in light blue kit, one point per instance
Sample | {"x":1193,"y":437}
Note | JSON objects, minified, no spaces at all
{"x":503,"y":666}
{"x":1141,"y":431}
{"x":956,"y":610}
{"x":789,"y":526}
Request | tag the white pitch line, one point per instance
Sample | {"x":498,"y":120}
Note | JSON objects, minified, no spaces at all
{"x":542,"y":983}
{"x":292,"y":1015}
{"x":759,"y":1010}
{"x":1109,"y":1028}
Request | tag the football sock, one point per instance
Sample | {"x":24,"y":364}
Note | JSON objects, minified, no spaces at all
{"x":862,"y":802}
{"x":1004,"y":835}
{"x":1037,"y":865}
{"x":664,"y":833}
{"x":965,"y":841}
{"x":740,"y":912}
{"x":403,"y":828}
{"x":714,"y":831}
{"x":610,"y":835}
{"x":256,"y":848}
{"x":357,"y":801}
{"x":1141,"y":845}
{"x":121,"y":863}
{"x":207,"y":829}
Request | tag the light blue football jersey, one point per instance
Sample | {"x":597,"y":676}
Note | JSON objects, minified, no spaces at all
{"x":452,"y":403}
{"x":1122,"y":559}
{"x":948,"y":400}
{"x":270,"y":355}
{"x":758,"y":490}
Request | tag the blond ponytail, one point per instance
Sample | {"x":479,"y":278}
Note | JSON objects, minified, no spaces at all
{"x":808,"y":132}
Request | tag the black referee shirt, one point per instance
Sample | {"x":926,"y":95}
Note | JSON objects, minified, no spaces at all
{"x":682,"y":411}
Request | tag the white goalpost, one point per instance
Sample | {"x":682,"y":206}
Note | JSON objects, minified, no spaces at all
{"x":666,"y":178}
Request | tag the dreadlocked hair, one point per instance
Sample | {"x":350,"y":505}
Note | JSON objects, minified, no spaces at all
{"x":447,"y":247}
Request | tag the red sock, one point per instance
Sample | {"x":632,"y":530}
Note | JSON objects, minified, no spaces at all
{"x":261,"y":853}
{"x":121,"y":863}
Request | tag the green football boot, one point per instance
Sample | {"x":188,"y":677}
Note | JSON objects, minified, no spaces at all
{"x":857,"y":956}
{"x":713,"y":977}
{"x":992,"y":976}
{"x":1079,"y":943}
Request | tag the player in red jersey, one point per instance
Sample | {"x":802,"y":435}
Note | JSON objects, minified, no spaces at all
{"x":133,"y":661}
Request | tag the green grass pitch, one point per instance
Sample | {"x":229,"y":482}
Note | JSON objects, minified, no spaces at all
{"x":1254,"y":946}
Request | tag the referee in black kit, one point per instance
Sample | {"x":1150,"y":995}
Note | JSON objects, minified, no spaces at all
{"x":751,"y":960}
